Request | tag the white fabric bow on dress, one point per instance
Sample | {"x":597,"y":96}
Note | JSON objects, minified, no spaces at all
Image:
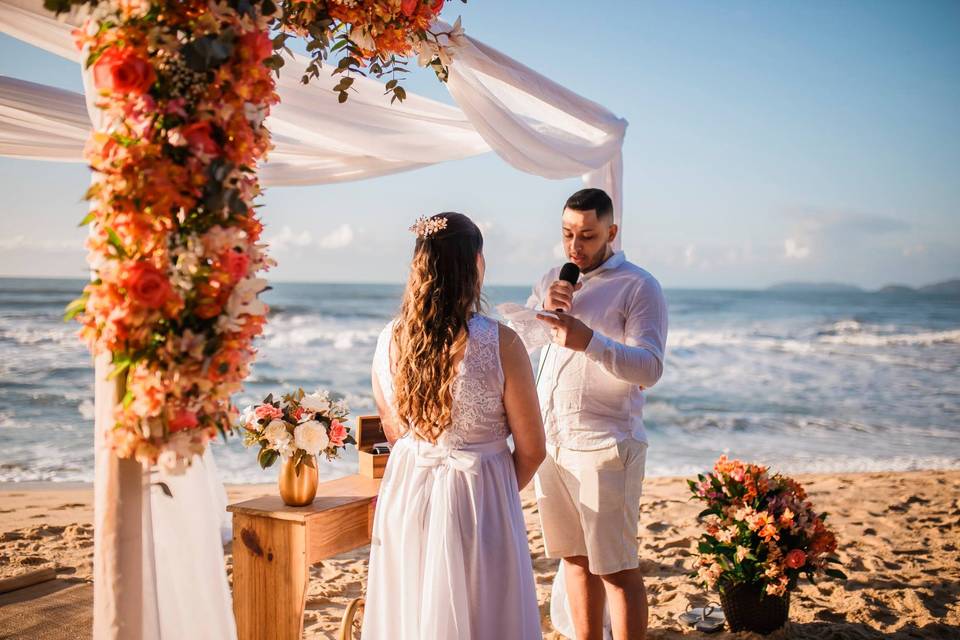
{"x":458,"y":459}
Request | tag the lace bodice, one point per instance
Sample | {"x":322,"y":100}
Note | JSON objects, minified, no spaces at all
{"x":478,"y":413}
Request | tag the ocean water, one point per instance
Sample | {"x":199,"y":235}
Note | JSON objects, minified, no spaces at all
{"x":816,"y":382}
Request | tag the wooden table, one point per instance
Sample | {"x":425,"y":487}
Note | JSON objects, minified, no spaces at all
{"x":274,"y":546}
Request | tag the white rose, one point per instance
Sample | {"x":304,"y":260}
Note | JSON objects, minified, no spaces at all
{"x":276,"y":433}
{"x":172,"y":464}
{"x":287,"y":449}
{"x":248,"y":417}
{"x":311,"y":436}
{"x":316,"y":401}
{"x":339,"y":408}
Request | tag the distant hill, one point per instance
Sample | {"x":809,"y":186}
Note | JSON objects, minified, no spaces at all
{"x":822,"y":287}
{"x":945,"y":288}
{"x":897,"y":288}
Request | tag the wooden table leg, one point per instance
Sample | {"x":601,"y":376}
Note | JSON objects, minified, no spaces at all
{"x":269,"y":578}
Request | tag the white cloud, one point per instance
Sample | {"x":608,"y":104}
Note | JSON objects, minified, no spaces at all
{"x":820,"y":232}
{"x":339,"y":238}
{"x":287,"y":238}
{"x":485,"y":226}
{"x":795,"y":249}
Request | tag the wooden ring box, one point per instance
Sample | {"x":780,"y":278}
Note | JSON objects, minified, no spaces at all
{"x":369,"y":433}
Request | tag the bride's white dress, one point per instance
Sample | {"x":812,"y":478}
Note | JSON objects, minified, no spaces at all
{"x":449,"y":558}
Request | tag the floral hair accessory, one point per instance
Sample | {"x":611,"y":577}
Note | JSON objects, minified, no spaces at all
{"x":425,"y":226}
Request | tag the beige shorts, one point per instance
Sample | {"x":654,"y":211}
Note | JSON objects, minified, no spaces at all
{"x":589,"y":504}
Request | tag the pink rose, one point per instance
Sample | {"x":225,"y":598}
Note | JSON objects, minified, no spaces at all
{"x":122,"y":70}
{"x":796,"y":558}
{"x":337,"y":433}
{"x":176,"y":107}
{"x":183,"y":419}
{"x":267,"y":411}
{"x":235,"y":263}
{"x":147,"y":285}
{"x":258,"y":43}
{"x":199,"y":137}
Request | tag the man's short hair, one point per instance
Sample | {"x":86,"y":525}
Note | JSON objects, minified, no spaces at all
{"x":592,"y":199}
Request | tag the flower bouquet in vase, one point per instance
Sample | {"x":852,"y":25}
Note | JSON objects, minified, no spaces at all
{"x":296,"y":429}
{"x":761,"y":535}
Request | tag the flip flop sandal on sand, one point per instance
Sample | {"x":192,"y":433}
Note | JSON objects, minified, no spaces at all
{"x":708,"y":619}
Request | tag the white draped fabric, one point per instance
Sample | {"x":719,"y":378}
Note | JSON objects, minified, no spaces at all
{"x":193,"y":596}
{"x":530,"y":121}
{"x":534,"y":124}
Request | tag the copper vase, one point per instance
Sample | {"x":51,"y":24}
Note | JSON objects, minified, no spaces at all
{"x":298,"y":490}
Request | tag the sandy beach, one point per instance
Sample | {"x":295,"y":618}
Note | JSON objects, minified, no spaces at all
{"x":899,"y":539}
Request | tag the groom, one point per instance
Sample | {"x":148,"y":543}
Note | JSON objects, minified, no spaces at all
{"x":607,"y":347}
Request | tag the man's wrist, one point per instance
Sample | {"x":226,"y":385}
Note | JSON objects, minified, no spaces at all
{"x":584,"y":342}
{"x":596,"y":346}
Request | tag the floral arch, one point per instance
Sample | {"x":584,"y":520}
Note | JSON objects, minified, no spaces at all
{"x":184,"y":89}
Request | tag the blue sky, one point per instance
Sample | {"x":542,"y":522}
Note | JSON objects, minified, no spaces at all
{"x":767,"y":142}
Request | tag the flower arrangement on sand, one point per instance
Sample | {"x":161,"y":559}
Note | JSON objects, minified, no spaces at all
{"x":760,"y":529}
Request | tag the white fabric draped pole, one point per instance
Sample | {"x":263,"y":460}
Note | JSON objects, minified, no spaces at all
{"x":534,"y":124}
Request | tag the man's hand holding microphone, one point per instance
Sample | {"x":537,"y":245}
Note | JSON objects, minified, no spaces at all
{"x":566,"y":330}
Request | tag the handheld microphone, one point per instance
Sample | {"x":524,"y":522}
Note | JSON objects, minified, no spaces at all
{"x":569,"y":273}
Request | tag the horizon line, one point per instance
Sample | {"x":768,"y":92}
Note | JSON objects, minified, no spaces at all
{"x":812,"y":284}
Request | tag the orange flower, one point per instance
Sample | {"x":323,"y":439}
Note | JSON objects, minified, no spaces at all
{"x":769,"y":532}
{"x":235,"y":263}
{"x":227,"y":364}
{"x":795,"y":559}
{"x":122,"y":70}
{"x":760,"y":520}
{"x":183,"y":419}
{"x":392,"y":40}
{"x":409,"y":7}
{"x":796,"y":488}
{"x":147,"y":285}
{"x":199,"y":137}
{"x":786,"y":518}
{"x":823,"y":541}
{"x":257,"y":45}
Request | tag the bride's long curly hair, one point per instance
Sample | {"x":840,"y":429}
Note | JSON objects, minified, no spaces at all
{"x":443,"y":291}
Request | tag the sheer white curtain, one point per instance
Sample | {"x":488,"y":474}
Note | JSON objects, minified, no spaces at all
{"x":530,"y":121}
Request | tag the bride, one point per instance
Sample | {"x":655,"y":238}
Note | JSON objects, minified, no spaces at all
{"x":449,"y":556}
